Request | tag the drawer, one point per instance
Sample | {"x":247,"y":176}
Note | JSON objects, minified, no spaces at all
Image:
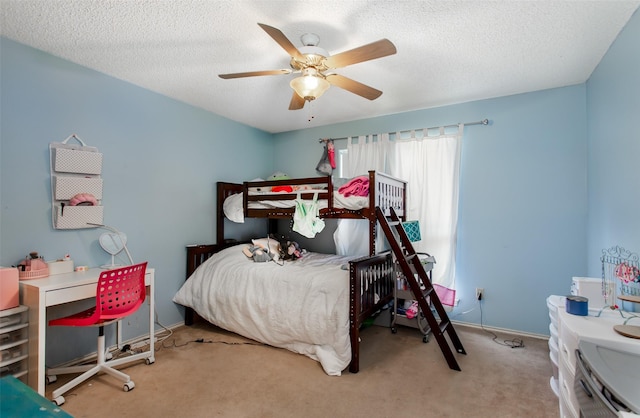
{"x":566,"y":410}
{"x":553,"y":355}
{"x":11,"y":352}
{"x":553,"y":382}
{"x":567,"y":346}
{"x":13,"y":334}
{"x":16,"y":366}
{"x":12,"y":318}
{"x":565,"y":382}
{"x":553,"y":347}
{"x":553,"y":332}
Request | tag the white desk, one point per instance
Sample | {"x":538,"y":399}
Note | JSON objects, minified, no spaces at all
{"x":38,"y":294}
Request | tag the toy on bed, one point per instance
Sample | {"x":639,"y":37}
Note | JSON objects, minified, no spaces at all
{"x":273,"y":249}
{"x":289,"y":249}
{"x":257,"y":253}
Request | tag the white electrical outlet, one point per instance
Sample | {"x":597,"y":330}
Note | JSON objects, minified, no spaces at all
{"x":479,"y":293}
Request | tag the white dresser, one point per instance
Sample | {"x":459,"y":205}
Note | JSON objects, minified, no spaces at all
{"x":571,"y":329}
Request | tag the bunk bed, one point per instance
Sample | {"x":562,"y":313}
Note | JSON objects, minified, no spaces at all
{"x":349,"y":290}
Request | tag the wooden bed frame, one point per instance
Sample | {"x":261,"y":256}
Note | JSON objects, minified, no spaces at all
{"x":385,"y":191}
{"x":371,"y":279}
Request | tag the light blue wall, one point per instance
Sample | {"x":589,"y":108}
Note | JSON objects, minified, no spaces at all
{"x":523,"y":197}
{"x":613,"y":98}
{"x":162,"y":159}
{"x":545,"y":188}
{"x":527,"y":210}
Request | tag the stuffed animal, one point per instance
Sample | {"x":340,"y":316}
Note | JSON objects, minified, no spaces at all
{"x":293,"y":250}
{"x":290,"y":250}
{"x":278,"y":175}
{"x":257,"y":253}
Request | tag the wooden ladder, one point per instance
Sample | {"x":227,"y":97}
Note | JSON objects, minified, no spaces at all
{"x":411,"y":266}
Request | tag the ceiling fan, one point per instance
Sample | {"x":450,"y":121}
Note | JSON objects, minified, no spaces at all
{"x":313,"y":63}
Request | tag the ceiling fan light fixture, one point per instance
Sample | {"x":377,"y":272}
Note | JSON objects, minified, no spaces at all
{"x":310,"y":85}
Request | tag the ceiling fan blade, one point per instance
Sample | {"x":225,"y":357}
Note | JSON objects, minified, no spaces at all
{"x":379,"y":49}
{"x":254,"y":74}
{"x":297,"y":102}
{"x":283,"y":41}
{"x":353,"y":86}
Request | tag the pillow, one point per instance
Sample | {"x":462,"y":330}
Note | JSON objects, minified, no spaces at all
{"x":258,"y":189}
{"x":232,"y":208}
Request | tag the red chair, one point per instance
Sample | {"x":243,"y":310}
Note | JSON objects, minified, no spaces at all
{"x":119,"y":293}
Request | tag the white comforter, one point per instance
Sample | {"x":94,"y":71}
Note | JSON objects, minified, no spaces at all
{"x":302,"y":306}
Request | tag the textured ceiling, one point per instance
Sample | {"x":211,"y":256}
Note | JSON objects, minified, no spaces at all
{"x":448,"y":51}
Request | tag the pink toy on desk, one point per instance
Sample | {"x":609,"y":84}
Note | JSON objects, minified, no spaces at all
{"x":32,"y":267}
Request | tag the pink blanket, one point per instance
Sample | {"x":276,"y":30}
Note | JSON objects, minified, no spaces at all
{"x":357,"y":186}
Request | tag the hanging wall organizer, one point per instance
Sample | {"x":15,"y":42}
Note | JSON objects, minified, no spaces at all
{"x":76,"y":185}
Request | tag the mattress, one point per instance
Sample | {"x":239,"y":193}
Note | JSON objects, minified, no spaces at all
{"x":302,"y":306}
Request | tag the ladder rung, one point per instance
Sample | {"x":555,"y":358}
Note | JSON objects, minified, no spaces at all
{"x":444,"y":325}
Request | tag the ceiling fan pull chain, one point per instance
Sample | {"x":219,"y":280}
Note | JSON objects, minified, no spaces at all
{"x":310,"y":115}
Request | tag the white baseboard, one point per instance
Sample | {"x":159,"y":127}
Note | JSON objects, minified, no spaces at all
{"x":502,"y":330}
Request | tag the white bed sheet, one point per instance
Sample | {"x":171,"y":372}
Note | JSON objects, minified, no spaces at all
{"x":302,"y":306}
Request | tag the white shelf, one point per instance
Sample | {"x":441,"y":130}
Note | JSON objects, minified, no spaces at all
{"x":14,"y":342}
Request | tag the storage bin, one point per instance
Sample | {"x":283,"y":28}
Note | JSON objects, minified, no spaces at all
{"x":9,"y":288}
{"x":592,"y":289}
{"x":60,"y":267}
{"x":65,"y":187}
{"x":77,"y":161}
{"x":11,"y":318}
{"x":77,"y":217}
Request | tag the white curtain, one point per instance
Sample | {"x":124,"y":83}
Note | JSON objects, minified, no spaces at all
{"x":430,"y":163}
{"x":364,"y":153}
{"x":372,"y":152}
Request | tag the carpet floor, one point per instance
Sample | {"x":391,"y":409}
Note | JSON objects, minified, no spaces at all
{"x":400,"y":376}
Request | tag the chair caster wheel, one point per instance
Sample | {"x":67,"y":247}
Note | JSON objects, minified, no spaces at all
{"x":52,"y":378}
{"x":394,"y":330}
{"x":425,"y":339}
{"x":149,"y":360}
{"x":59,"y":400}
{"x":129,"y":386}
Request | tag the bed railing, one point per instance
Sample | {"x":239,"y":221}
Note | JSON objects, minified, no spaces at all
{"x":196,"y":255}
{"x":371,"y":287}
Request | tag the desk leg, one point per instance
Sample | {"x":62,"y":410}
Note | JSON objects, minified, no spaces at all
{"x":152,"y":310}
{"x":32,"y":298}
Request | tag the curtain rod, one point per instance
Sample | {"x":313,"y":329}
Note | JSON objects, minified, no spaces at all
{"x":480,"y":122}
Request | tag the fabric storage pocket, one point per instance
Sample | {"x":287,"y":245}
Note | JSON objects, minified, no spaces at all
{"x":65,"y":187}
{"x":75,"y":182}
{"x":69,"y":160}
{"x":77,"y":217}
